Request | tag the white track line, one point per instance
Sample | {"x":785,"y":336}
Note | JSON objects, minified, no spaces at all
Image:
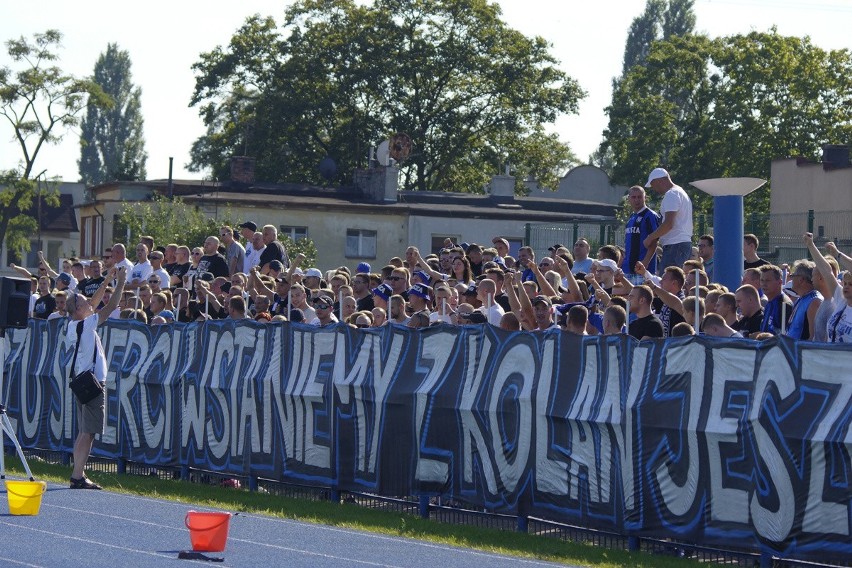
{"x":362,"y":533}
{"x":89,"y":541}
{"x":19,"y":563}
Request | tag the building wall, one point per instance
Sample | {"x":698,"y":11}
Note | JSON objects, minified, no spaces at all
{"x":798,"y":187}
{"x":584,"y":183}
{"x":55,"y":245}
{"x":480,"y":231}
{"x":328,"y":230}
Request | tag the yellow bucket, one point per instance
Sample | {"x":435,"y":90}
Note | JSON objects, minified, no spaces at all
{"x":24,"y":496}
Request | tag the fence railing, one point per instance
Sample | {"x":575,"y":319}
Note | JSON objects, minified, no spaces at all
{"x":780,"y":235}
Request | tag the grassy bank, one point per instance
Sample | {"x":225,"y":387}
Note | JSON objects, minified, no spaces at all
{"x":360,"y":518}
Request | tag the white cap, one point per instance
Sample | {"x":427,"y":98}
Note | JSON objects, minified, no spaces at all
{"x":313,"y":272}
{"x":656,"y":173}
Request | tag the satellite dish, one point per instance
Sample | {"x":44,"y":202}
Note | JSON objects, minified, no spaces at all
{"x":328,"y":168}
{"x":400,"y":146}
{"x":383,"y":153}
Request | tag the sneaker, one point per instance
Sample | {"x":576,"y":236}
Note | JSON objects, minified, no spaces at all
{"x":84,"y":483}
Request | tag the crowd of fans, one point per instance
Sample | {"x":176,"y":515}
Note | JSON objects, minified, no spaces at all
{"x":246,"y":273}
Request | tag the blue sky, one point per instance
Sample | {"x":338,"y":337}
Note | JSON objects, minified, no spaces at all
{"x":165,"y":38}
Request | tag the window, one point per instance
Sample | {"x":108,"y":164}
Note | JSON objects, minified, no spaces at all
{"x":360,"y":243}
{"x":438,"y":242}
{"x":294,"y":233}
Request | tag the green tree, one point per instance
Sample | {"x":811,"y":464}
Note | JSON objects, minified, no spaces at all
{"x":338,"y":76}
{"x":644,"y":30}
{"x":40,"y":103}
{"x":167,"y":221}
{"x":112,"y":144}
{"x":751,"y":99}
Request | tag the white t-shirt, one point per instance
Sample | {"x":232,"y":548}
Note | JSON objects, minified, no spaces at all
{"x":139,"y":274}
{"x":494,"y":313}
{"x":89,"y":341}
{"x":252,"y":258}
{"x":677,"y":200}
{"x":164,"y":277}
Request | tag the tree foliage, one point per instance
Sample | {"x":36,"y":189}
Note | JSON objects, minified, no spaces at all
{"x":174,"y":221}
{"x":39,"y":102}
{"x":167,"y":221}
{"x":112,"y":144}
{"x":746,"y":100}
{"x":337,"y":77}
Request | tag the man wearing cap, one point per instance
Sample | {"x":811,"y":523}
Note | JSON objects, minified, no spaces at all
{"x":543,"y":312}
{"x":381,"y":296}
{"x":642,"y":223}
{"x":675,"y":232}
{"x":247,"y":231}
{"x":420,"y":297}
{"x":324,"y":309}
{"x":312,"y":279}
{"x":502,"y":246}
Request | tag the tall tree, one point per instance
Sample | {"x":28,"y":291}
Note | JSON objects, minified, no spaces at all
{"x":644,"y":30}
{"x":751,"y":99}
{"x":112,"y":145}
{"x":39,"y":102}
{"x":678,"y":19}
{"x":339,"y":76}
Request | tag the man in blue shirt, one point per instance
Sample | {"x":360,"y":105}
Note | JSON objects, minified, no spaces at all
{"x":641,"y":224}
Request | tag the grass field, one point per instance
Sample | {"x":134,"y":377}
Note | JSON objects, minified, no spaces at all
{"x":360,"y":518}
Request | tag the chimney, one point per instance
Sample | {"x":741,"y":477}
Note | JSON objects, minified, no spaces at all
{"x":835,"y":156}
{"x":502,"y":188}
{"x":379,"y":184}
{"x":242,"y":170}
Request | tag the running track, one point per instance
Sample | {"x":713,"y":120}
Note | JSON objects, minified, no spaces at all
{"x":101,"y":528}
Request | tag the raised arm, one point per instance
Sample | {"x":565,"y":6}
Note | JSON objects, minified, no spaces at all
{"x":667,"y":297}
{"x":543,"y":285}
{"x":424,"y":266}
{"x":46,"y":265}
{"x":821,"y":263}
{"x":844,"y":259}
{"x":104,"y":313}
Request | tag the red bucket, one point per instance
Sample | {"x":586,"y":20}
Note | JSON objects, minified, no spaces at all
{"x":208,"y":532}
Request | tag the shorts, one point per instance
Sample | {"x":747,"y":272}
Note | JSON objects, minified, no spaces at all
{"x":90,"y":416}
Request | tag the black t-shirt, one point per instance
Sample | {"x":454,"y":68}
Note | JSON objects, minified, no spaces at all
{"x":274,"y":251}
{"x":748,"y":325}
{"x":365,"y":304}
{"x":169,"y":267}
{"x":648,"y":326}
{"x":44,"y":306}
{"x":214,"y":264}
{"x":180,"y":270}
{"x":89,"y":286}
{"x":756,"y":264}
{"x":503,"y":300}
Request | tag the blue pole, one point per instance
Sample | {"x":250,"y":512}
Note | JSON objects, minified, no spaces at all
{"x":728,"y":240}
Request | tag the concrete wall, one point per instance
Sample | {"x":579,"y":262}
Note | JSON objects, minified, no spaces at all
{"x":584,"y":183}
{"x":798,"y":187}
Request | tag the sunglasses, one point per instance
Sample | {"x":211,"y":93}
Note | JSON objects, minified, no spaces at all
{"x":196,"y":254}
{"x":362,"y":325}
{"x":545,"y":264}
{"x":396,"y":278}
{"x":154,"y":282}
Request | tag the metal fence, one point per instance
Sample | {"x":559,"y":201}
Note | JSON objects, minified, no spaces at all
{"x":780,"y":235}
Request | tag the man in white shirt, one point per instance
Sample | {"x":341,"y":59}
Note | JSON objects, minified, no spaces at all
{"x":89,"y":356}
{"x":675,"y":232}
{"x":486,"y":290}
{"x":142,"y":270}
{"x":119,"y":258}
{"x":254,"y":248}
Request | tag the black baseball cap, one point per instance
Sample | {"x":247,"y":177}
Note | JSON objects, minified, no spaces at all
{"x":249,"y":225}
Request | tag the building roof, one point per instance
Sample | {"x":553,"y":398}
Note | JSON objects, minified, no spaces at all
{"x":60,"y":219}
{"x":417,"y":203}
